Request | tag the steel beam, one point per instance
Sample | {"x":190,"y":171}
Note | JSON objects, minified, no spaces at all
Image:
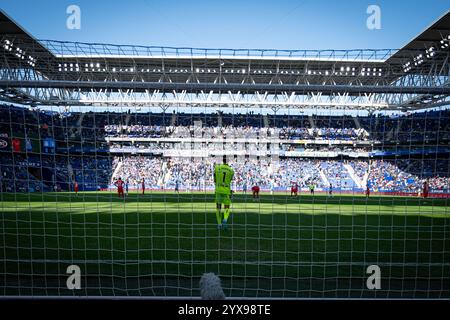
{"x":225,"y":87}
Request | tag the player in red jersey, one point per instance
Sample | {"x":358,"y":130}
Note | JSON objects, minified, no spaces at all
{"x":255,"y":190}
{"x":119,"y":184}
{"x":143,"y":185}
{"x":75,"y":187}
{"x":294,"y":189}
{"x":425,"y":189}
{"x":367,"y":191}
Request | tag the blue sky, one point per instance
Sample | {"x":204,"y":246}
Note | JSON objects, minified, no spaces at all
{"x":280,"y":24}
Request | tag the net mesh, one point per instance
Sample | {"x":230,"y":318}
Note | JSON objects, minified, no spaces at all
{"x":338,"y":193}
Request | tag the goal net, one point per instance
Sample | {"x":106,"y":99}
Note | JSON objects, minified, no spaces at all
{"x":349,"y":205}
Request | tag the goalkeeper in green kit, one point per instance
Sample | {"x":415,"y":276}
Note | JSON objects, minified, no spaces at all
{"x":223,"y":175}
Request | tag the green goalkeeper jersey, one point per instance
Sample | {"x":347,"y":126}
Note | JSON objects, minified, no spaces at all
{"x":223,"y":175}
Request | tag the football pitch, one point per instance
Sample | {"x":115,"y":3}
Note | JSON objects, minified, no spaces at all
{"x":160,"y":243}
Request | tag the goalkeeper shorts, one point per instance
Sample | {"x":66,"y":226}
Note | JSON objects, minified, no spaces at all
{"x":223,"y":198}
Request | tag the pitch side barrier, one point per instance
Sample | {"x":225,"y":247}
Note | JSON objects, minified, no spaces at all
{"x":304,"y":191}
{"x":433,"y":194}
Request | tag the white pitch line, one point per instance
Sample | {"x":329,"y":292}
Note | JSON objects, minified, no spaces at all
{"x":236,"y":262}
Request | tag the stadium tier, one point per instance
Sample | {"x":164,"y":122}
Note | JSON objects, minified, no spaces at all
{"x":285,"y":173}
{"x":178,"y":149}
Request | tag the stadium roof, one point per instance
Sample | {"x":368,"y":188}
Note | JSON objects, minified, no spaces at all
{"x":42,"y":65}
{"x":432,"y":37}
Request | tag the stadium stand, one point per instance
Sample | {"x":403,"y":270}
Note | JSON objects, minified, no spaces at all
{"x":78,"y":133}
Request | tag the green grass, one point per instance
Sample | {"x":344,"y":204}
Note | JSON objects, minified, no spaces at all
{"x":161,"y":243}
